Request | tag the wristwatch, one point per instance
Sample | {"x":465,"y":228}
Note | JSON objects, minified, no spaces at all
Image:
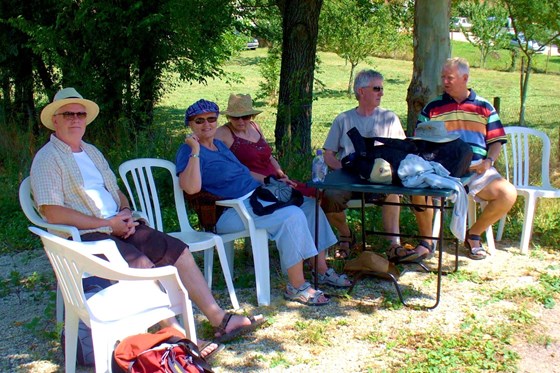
{"x":491,"y":161}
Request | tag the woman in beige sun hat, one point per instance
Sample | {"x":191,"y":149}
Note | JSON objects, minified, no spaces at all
{"x":243,"y":136}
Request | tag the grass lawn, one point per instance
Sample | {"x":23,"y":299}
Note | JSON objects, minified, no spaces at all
{"x":541,"y":108}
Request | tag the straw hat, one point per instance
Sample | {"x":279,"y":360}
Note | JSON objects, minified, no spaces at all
{"x":64,"y":97}
{"x":240,"y":105}
{"x":433,"y":131}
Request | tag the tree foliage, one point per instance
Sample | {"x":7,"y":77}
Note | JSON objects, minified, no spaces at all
{"x":358,"y":29}
{"x":487,"y":32}
{"x":117,"y":52}
{"x":532,"y":21}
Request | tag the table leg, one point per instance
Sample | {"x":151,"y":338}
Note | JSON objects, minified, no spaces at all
{"x":318,"y":197}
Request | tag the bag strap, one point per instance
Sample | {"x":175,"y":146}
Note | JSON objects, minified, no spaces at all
{"x":189,"y":345}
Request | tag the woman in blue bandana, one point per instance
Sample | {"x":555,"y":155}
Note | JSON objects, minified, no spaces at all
{"x":204,"y":163}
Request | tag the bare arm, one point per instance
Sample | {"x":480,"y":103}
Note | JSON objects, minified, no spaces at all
{"x":121,"y":224}
{"x":191,"y":179}
{"x":331,"y":160}
{"x":224,"y":134}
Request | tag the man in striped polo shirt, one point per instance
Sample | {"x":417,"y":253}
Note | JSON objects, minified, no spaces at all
{"x":476,"y":121}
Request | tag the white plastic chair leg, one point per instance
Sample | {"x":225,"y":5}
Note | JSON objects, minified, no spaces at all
{"x":59,"y":306}
{"x":208,"y":266}
{"x":71,"y":321}
{"x":262,"y":266}
{"x":225,"y":269}
{"x":229,"y":248}
{"x":102,"y":348}
{"x":530,"y":202}
{"x":501,"y":226}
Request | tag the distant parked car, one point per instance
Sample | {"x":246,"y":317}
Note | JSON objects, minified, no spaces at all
{"x":532,"y":44}
{"x":458,"y":23}
{"x":252,"y":44}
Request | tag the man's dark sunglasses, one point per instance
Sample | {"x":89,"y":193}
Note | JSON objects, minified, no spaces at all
{"x":69,"y":115}
{"x":376,"y":88}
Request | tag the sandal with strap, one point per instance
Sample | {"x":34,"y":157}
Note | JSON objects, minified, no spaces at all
{"x":425,"y":245}
{"x":222,"y":336}
{"x":398,"y":254}
{"x":210,"y":352}
{"x":331,"y":278}
{"x":303,"y":295}
{"x":475,"y":252}
{"x":342,"y":252}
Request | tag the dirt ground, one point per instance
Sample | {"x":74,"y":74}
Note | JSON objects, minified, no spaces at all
{"x":359,"y":333}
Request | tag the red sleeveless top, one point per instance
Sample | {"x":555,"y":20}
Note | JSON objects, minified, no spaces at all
{"x":254,"y":155}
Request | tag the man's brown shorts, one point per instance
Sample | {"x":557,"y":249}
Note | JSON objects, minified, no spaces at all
{"x":147,"y":248}
{"x":335,"y":200}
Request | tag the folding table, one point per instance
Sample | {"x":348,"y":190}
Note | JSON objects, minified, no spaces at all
{"x":343,"y":180}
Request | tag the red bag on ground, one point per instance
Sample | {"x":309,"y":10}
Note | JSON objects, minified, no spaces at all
{"x":166,"y":351}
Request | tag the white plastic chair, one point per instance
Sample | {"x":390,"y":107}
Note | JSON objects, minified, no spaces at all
{"x":141,"y":298}
{"x":146,"y":198}
{"x":517,"y":158}
{"x":29,"y":209}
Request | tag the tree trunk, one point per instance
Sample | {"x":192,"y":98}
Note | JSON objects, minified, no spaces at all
{"x":524,"y":90}
{"x":300,"y":24}
{"x":351,"y":78}
{"x":431,"y":49}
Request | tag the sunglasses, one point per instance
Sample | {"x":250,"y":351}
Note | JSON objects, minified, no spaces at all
{"x":69,"y":115}
{"x":244,"y":117}
{"x":377,"y":88}
{"x":202,"y":120}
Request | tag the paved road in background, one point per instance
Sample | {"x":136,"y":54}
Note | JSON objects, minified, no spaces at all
{"x":458,"y":36}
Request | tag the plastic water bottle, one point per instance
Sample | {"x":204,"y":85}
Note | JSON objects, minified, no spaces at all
{"x":319,"y":168}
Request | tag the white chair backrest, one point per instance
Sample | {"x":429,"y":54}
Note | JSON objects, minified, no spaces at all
{"x":28,"y":207}
{"x":145,"y":196}
{"x":521,"y":144}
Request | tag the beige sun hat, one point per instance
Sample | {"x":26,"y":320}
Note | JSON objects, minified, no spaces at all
{"x":369,"y":261}
{"x":240,"y":105}
{"x":433,"y":131}
{"x":64,"y":97}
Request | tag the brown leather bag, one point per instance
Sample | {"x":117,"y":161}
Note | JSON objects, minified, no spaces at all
{"x":204,"y":204}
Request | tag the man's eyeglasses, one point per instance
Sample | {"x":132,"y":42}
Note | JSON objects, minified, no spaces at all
{"x":377,"y":88}
{"x":69,"y":115}
{"x":244,"y":117}
{"x":202,"y":120}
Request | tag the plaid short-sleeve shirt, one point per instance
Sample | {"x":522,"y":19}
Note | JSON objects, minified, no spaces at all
{"x":56,"y":179}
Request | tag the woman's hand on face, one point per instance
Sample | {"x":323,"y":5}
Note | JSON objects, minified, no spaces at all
{"x":192,"y":141}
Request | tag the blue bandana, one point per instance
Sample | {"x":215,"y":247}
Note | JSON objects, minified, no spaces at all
{"x":200,"y":107}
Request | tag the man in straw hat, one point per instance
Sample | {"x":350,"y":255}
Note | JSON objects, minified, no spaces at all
{"x":371,"y":121}
{"x":476,"y":122}
{"x":72,"y":184}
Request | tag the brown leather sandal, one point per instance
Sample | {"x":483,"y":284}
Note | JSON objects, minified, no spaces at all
{"x":399,"y":254}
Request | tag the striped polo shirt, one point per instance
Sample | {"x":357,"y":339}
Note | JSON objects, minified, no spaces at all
{"x":475,"y":120}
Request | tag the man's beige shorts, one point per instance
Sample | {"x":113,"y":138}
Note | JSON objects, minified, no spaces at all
{"x":479,"y":182}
